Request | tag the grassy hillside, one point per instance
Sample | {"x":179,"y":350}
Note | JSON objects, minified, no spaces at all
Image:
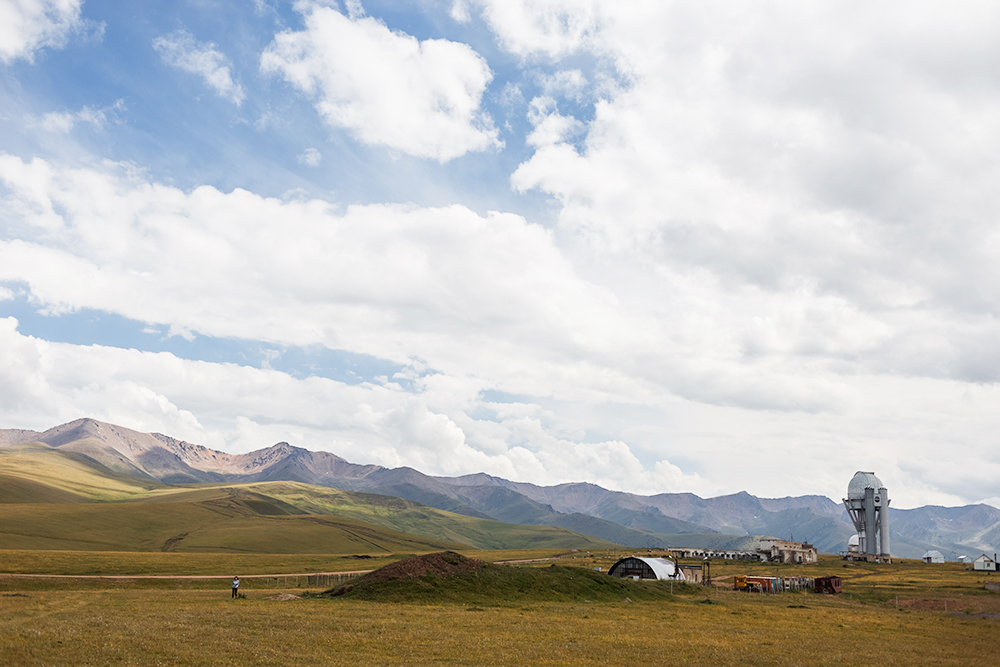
{"x":412,"y":517}
{"x":193,"y":527}
{"x":51,"y":499}
{"x":53,"y":474}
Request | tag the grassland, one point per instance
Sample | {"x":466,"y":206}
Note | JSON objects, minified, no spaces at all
{"x":693,"y":625}
{"x":148,"y":584}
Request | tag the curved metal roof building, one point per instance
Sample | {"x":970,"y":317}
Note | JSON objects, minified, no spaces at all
{"x":646,"y":568}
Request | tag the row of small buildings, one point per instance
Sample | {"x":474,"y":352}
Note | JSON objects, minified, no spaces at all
{"x":770,"y":551}
{"x":639,"y":567}
{"x":984,"y":563}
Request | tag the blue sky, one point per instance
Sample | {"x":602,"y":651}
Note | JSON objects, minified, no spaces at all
{"x":658,"y":246}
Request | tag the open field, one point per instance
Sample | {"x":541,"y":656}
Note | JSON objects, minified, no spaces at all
{"x":194,"y":622}
{"x":143,"y":627}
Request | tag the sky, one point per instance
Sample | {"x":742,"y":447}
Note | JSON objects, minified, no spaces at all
{"x":658,"y":246}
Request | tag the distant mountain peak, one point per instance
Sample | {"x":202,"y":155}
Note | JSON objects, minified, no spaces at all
{"x":619,"y":516}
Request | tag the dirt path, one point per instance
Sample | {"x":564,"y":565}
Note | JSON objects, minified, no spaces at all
{"x":227,"y":576}
{"x":179,"y":576}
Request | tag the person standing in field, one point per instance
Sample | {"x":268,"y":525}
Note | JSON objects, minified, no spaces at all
{"x":236,"y":585}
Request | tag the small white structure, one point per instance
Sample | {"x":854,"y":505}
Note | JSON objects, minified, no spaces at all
{"x":853,"y":544}
{"x":634,"y":567}
{"x":963,"y":559}
{"x":985,"y":563}
{"x":933,"y":556}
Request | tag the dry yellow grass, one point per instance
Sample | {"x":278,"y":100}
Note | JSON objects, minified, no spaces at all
{"x":207,"y":628}
{"x":150,"y":622}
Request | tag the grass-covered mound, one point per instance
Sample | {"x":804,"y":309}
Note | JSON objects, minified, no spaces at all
{"x":451,"y":577}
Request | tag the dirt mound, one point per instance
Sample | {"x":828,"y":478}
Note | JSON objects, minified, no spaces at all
{"x":442,"y":564}
{"x":283,"y":597}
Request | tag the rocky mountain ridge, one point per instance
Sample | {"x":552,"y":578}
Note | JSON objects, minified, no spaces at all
{"x":676,"y":519}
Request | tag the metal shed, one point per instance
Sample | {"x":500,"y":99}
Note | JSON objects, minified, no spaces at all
{"x":933,"y":556}
{"x":634,"y":567}
{"x":827,"y":584}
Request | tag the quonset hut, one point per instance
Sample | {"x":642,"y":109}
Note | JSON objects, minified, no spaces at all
{"x":635,"y":567}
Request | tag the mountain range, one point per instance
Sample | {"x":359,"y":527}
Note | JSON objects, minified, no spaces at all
{"x":669,"y":519}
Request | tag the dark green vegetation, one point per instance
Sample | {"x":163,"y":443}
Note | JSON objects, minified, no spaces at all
{"x":50,"y":499}
{"x":452,"y":577}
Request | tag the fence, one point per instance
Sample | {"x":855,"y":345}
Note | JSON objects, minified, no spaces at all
{"x":300,"y":581}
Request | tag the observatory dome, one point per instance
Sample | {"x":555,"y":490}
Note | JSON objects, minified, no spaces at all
{"x":855,"y":541}
{"x":860,"y":482}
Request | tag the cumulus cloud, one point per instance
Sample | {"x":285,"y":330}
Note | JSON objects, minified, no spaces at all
{"x":549,"y":28}
{"x":570,"y":84}
{"x":841,"y":193}
{"x":396,"y":267}
{"x":28,"y":25}
{"x":180,"y":49}
{"x":387,"y":88}
{"x":550,"y":127}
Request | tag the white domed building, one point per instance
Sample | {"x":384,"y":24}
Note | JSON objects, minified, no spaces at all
{"x":867,"y":503}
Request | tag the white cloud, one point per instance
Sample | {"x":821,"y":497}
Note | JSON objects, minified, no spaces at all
{"x":774,"y":236}
{"x":238,"y":408}
{"x":550,"y":127}
{"x":28,"y":25}
{"x":387,"y":88}
{"x":571,"y":84}
{"x":460,"y":11}
{"x":550,"y":28}
{"x":837,"y":191}
{"x":467,"y":304}
{"x":63,"y":123}
{"x":180,"y":49}
{"x":310,"y":157}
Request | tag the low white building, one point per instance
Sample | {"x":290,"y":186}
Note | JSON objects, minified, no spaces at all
{"x":985,"y":563}
{"x":933,"y":556}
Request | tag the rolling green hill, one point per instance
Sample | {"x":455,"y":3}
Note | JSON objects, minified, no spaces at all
{"x":102,"y":462}
{"x":50,"y":499}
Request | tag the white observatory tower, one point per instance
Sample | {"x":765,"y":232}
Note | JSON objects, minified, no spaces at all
{"x":867,"y":503}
